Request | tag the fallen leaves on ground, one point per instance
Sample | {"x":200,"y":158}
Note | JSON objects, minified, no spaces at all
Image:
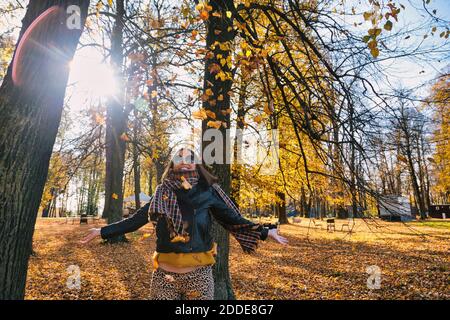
{"x":413,"y":260}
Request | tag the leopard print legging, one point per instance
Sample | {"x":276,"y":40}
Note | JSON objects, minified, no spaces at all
{"x":195,"y":285}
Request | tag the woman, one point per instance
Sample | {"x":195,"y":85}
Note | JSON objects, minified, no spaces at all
{"x":181,"y":210}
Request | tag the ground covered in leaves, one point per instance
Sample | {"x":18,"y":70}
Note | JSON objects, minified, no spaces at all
{"x":413,"y":259}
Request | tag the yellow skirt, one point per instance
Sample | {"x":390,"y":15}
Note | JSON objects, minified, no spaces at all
{"x":181,"y":260}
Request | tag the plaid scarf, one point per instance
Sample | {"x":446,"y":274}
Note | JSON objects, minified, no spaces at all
{"x":164,"y":203}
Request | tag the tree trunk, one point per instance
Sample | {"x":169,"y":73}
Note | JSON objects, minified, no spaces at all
{"x":136,"y":165}
{"x":281,"y":208}
{"x":223,"y":288}
{"x":116,"y":126}
{"x":31,"y":103}
{"x":237,"y":146}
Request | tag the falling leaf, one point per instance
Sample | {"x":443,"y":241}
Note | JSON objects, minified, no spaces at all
{"x":178,"y":238}
{"x":99,"y":119}
{"x":375,"y":52}
{"x":124,"y":137}
{"x":267,"y":109}
{"x":204,"y":15}
{"x":388,"y":25}
{"x":214,"y":124}
{"x":210,"y":114}
{"x":367,"y":15}
{"x":257,"y":119}
{"x":193,"y":294}
{"x":200,"y":114}
{"x":115,"y":196}
{"x":185,"y":184}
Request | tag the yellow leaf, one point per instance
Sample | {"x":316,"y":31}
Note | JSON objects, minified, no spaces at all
{"x":367,"y":15}
{"x":209,"y":92}
{"x":178,"y":238}
{"x":185,"y":184}
{"x":110,"y":2}
{"x":228,"y":14}
{"x":257,"y":119}
{"x":204,"y":15}
{"x":375,"y":52}
{"x":200,"y":114}
{"x":115,"y":196}
{"x":267,"y":109}
{"x":210,"y":114}
{"x":214,"y":124}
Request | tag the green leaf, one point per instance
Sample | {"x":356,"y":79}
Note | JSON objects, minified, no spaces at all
{"x":366,"y":38}
{"x":374,"y":32}
{"x":388,"y":25}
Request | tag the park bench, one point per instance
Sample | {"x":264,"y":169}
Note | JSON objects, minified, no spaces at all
{"x":84,"y":219}
{"x":330,"y":225}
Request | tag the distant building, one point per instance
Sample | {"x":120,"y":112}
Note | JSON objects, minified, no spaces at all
{"x":439,"y":211}
{"x":395,"y":208}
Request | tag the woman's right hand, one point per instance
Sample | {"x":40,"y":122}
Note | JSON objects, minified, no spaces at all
{"x":93,"y":233}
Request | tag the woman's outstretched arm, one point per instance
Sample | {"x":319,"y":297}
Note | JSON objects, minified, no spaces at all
{"x":225,"y":214}
{"x":136,"y":221}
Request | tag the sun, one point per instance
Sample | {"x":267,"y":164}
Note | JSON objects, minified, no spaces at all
{"x":92,"y":79}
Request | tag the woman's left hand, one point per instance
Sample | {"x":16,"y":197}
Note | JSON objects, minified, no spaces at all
{"x":273,"y":233}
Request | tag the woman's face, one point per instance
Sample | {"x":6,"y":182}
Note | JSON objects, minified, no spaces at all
{"x":184,"y":161}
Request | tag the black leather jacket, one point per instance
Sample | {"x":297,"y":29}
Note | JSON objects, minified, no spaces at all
{"x":196,"y":205}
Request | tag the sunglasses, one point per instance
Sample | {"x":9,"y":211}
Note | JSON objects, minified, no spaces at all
{"x":187,"y":159}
